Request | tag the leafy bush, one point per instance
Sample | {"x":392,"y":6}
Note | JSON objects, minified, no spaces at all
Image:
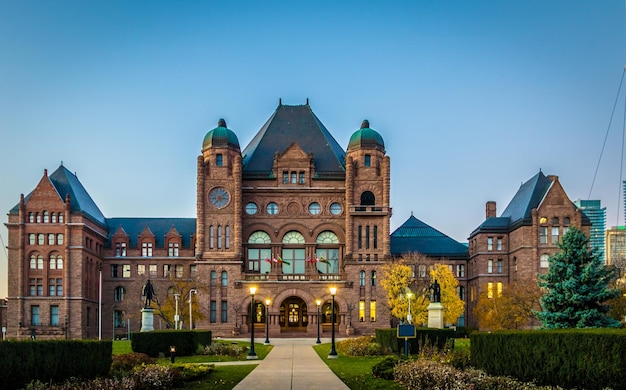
{"x":429,"y":374}
{"x":385,"y":368}
{"x":362,"y":346}
{"x":223,"y":349}
{"x":155,"y":377}
{"x":191,"y":372}
{"x":123,"y":364}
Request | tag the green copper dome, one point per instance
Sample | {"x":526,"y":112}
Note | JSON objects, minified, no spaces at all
{"x":220,"y":137}
{"x":366,"y":138}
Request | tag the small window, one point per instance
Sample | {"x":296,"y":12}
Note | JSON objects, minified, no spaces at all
{"x":60,"y":217}
{"x":153,"y":270}
{"x":555,"y":221}
{"x":544,"y":261}
{"x":362,"y":278}
{"x":368,"y":160}
{"x":543,"y":235}
{"x":314,"y":208}
{"x":372,"y":311}
{"x":31,"y":217}
{"x":251,"y":208}
{"x":141,"y":269}
{"x":489,"y":266}
{"x":178,"y":269}
{"x":301,"y":178}
{"x":335,"y":209}
{"x":40,"y":239}
{"x":499,"y":266}
{"x":31,"y":239}
{"x":172,"y":249}
{"x":46,"y":217}
{"x":224,"y":279}
{"x":566,"y":221}
{"x":219,"y":160}
{"x":126,"y":271}
{"x":555,"y":235}
{"x":53,"y":218}
{"x":118,"y":294}
{"x":51,"y":239}
{"x":293,"y":178}
{"x":499,"y":244}
{"x":272,"y":208}
{"x":285,"y":177}
{"x":373,"y":278}
{"x":489,"y":243}
{"x":60,"y":239}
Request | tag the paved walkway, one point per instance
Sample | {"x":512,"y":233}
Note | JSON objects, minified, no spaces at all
{"x":291,"y":365}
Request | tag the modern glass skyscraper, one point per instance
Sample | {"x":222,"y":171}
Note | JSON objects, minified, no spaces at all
{"x":597,"y":215}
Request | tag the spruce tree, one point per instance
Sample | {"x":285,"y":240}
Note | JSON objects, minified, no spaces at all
{"x":576,"y":287}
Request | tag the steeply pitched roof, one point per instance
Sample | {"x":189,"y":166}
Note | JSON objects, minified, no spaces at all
{"x":527,"y":198}
{"x":186,"y":227}
{"x":416,"y":236}
{"x":291,"y":124}
{"x":66,"y":183}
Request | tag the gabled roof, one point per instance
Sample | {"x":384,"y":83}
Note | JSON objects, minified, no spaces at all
{"x":414,"y":236}
{"x":289,"y":124}
{"x":186,"y":227}
{"x":66,"y":183}
{"x":527,"y":198}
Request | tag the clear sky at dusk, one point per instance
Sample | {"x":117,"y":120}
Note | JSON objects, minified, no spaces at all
{"x":471,"y":97}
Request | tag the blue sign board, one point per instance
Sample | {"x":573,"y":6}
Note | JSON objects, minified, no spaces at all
{"x":406,"y":331}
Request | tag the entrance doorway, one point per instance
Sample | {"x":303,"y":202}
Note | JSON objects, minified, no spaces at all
{"x":293,"y":315}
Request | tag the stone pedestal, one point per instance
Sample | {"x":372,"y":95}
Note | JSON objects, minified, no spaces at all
{"x":147,"y":319}
{"x":435,"y":315}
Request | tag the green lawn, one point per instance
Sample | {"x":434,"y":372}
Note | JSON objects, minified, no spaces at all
{"x":223,"y":378}
{"x":356,"y":372}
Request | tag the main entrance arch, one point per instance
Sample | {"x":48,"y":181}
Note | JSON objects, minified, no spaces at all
{"x":293,"y":315}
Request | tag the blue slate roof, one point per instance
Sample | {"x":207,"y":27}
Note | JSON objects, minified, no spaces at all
{"x":289,"y":124}
{"x":66,"y":183}
{"x":186,"y":227}
{"x":527,"y":198}
{"x":416,"y":236}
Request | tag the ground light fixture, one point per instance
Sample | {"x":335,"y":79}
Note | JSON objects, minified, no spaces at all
{"x":333,"y":352}
{"x":251,"y":353}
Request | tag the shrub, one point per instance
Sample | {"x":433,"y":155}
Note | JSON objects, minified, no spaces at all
{"x":223,"y":349}
{"x":191,"y":372}
{"x":361,"y":346}
{"x":124,"y":363}
{"x":385,"y":368}
{"x":155,"y":377}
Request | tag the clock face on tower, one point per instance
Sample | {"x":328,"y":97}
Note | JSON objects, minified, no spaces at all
{"x":219,"y":197}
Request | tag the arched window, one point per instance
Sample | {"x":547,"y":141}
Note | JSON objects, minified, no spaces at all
{"x":219,"y":236}
{"x":60,"y":217}
{"x":46,"y":217}
{"x":362,"y":278}
{"x":368,"y":198}
{"x":211,"y":236}
{"x":373,"y":278}
{"x":555,"y":220}
{"x":224,"y":279}
{"x":327,"y":253}
{"x":227,"y":237}
{"x":213,"y":278}
{"x":259,"y":252}
{"x":327,"y":311}
{"x":53,"y":217}
{"x":118,"y":294}
{"x":31,"y":217}
{"x":293,"y":261}
{"x":38,"y":217}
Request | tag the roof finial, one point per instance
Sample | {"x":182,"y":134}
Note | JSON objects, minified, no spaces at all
{"x":280,"y":101}
{"x":221,"y":123}
{"x":307,"y":101}
{"x":365,"y":124}
{"x":61,"y":162}
{"x":411,"y":213}
{"x":45,"y":172}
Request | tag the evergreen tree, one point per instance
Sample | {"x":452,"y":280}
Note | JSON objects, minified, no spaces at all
{"x":576,"y":287}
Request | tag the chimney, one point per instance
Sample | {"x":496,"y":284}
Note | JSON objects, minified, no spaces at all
{"x":490,"y":209}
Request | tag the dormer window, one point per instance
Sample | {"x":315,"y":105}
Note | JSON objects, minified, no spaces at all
{"x":285,"y":177}
{"x":219,"y":160}
{"x":120,"y":249}
{"x":368,"y":160}
{"x":146,"y":249}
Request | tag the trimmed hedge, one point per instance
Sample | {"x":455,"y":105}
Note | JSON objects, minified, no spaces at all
{"x":159,"y":341}
{"x":589,"y":358}
{"x":424,"y":336}
{"x":52,"y":360}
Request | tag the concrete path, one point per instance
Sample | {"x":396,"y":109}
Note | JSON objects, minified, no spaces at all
{"x":292,"y":365}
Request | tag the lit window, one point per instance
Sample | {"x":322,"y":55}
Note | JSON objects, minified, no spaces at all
{"x":361,"y":311}
{"x":460,"y":271}
{"x":489,"y":290}
{"x":46,"y":217}
{"x":141,"y":269}
{"x":38,"y":217}
{"x":167,"y":270}
{"x":373,"y":278}
{"x":192,"y":271}
{"x":153,"y":270}
{"x":373,"y":311}
{"x":178,"y":269}
{"x":126,"y":271}
{"x":499,"y":289}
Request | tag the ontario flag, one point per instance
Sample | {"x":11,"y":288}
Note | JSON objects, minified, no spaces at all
{"x":323,"y":260}
{"x":267,"y":260}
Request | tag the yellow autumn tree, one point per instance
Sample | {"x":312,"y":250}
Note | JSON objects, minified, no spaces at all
{"x":166,"y":303}
{"x":397,"y":279}
{"x":453,"y":306}
{"x":512,"y":308}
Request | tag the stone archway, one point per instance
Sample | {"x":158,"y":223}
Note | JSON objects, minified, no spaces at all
{"x":293,"y":315}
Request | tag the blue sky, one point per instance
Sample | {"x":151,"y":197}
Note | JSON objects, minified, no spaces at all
{"x":471,"y":97}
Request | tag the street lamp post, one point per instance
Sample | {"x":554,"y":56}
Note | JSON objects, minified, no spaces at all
{"x":191,"y":292}
{"x":176,"y":317}
{"x":318,"y":302}
{"x":251,"y":353}
{"x":267,"y":322}
{"x":409,"y":317}
{"x":333,"y":352}
{"x":113,"y":337}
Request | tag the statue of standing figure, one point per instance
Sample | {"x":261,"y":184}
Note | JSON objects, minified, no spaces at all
{"x":436,"y":289}
{"x":148,"y":294}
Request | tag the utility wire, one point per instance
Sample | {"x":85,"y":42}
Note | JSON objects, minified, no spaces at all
{"x":621,"y":163}
{"x":607,"y":133}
